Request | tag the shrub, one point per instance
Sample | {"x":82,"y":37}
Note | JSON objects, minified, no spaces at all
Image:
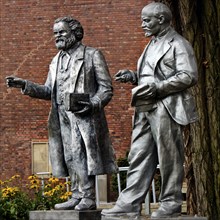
{"x":16,"y":202}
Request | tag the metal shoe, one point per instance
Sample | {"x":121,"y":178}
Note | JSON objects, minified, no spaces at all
{"x":68,"y":205}
{"x":166,"y":212}
{"x":86,"y":204}
{"x":119,"y":211}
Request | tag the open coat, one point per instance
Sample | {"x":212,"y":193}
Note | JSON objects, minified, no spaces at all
{"x":175,"y":70}
{"x":88,"y":65}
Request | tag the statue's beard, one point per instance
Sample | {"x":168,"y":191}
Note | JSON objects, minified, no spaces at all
{"x":64,"y":43}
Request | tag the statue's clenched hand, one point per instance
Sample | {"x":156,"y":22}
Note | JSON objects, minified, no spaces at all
{"x":12,"y":81}
{"x":124,"y":76}
{"x":149,"y":92}
{"x":86,"y":109}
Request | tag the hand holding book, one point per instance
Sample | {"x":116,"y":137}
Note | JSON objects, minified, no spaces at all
{"x":77,"y":102}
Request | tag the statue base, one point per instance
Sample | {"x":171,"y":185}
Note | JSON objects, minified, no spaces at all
{"x":65,"y":215}
{"x":183,"y":217}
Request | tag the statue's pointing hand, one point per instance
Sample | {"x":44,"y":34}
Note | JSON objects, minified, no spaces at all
{"x":124,"y":76}
{"x":12,"y":81}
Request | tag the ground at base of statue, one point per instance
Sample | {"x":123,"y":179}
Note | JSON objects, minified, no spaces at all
{"x":153,"y":207}
{"x":95,"y":215}
{"x":65,"y":215}
{"x":183,"y":217}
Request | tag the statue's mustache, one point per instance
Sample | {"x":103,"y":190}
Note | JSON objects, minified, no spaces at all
{"x":60,"y":39}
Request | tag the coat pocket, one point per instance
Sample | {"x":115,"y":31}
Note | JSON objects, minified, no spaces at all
{"x":169,"y":63}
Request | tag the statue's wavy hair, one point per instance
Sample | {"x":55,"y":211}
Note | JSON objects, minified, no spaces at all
{"x":74,"y":24}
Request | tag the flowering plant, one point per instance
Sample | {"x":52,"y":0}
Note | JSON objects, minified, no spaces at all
{"x":16,"y":201}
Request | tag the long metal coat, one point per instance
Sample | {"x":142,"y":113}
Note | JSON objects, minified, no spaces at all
{"x":89,"y":65}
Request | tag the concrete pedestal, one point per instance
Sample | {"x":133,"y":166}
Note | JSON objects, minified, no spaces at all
{"x":148,"y":218}
{"x":183,"y":218}
{"x":65,"y":215}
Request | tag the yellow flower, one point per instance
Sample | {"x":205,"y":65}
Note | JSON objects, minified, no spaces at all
{"x":10,"y":189}
{"x":13,"y":189}
{"x":67,"y":183}
{"x":47,"y":194}
{"x":9,"y":192}
{"x":60,"y":187}
{"x":47,"y":186}
{"x":5,"y":190}
{"x":15,"y":177}
{"x":68,"y":193}
{"x":1,"y":183}
{"x":34,"y":187}
{"x":35,"y":182}
{"x":5,"y":195}
{"x":53,"y":180}
{"x":64,"y":197}
{"x":32,"y":177}
{"x":57,"y":188}
{"x":12,"y":194}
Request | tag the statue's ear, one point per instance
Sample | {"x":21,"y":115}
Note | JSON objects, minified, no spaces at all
{"x":161,"y":19}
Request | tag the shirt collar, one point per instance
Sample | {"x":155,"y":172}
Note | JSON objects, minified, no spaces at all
{"x":161,"y":34}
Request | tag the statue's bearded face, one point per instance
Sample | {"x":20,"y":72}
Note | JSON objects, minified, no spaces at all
{"x":64,"y":37}
{"x":150,"y":24}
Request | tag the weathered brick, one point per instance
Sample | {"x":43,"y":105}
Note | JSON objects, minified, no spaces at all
{"x":27,"y":48}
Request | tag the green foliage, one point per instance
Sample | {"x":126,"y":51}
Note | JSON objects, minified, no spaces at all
{"x":15,"y":207}
{"x":16,"y":202}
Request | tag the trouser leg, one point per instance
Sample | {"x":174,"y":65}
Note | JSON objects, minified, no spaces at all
{"x":168,"y":137}
{"x":83,"y":185}
{"x":143,"y":162}
{"x":78,"y":165}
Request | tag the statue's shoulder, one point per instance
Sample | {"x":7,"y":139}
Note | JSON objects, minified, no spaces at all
{"x":181,"y":42}
{"x":90,"y":50}
{"x":55,"y":58}
{"x":93,"y":53}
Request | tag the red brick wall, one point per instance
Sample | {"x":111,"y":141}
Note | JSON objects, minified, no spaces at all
{"x":27,"y":48}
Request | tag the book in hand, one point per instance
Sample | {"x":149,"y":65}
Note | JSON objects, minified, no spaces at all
{"x":72,"y":101}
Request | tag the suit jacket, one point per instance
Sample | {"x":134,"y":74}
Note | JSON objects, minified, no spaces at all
{"x":90,"y":66}
{"x":175,"y":70}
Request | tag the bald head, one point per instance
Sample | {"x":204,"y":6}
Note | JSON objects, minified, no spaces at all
{"x":159,"y":9}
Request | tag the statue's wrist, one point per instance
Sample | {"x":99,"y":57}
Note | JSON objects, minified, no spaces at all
{"x":133,"y":79}
{"x":24,"y":86}
{"x":96,"y":104}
